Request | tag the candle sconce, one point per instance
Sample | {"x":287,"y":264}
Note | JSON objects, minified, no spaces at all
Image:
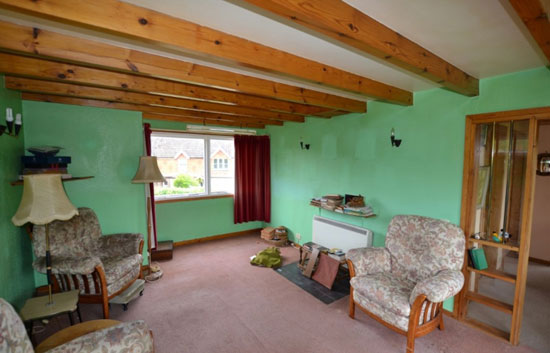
{"x":304,"y":145}
{"x":543,"y":164}
{"x":13,"y":126}
{"x":394,"y":142}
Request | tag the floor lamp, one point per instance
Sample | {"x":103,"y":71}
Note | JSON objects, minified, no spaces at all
{"x":44,"y":200}
{"x":147,"y":173}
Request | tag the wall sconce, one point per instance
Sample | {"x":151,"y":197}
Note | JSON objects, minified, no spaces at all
{"x":543,"y":164}
{"x":394,"y":142}
{"x":13,"y":126}
{"x":304,"y":145}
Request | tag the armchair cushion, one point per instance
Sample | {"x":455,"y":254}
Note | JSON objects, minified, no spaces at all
{"x":117,"y":267}
{"x":68,"y":265}
{"x":126,"y":337}
{"x":13,"y":336}
{"x":421,"y":247}
{"x":440,"y":287}
{"x":121,"y":244}
{"x":73,"y":238}
{"x":367,"y":261}
{"x":391,"y":293}
{"x":386,"y":315}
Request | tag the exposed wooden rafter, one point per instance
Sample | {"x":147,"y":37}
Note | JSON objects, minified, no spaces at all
{"x":220,"y":120}
{"x":343,"y":23}
{"x":50,"y":70}
{"x":536,"y":18}
{"x":45,"y":43}
{"x":147,"y":25}
{"x":72,"y":90}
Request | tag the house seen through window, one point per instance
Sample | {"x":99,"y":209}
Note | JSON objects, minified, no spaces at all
{"x":193,"y":165}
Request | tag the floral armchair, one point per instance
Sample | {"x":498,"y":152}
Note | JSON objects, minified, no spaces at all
{"x":100,"y":266}
{"x":125,"y":337}
{"x":404,"y":284}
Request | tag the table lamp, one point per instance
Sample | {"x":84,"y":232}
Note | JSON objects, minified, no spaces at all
{"x":148,"y":172}
{"x":44,"y":201}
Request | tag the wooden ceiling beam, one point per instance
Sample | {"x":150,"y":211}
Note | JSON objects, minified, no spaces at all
{"x":537,"y":20}
{"x":51,"y":70}
{"x":181,"y":119}
{"x":346,"y":25}
{"x":67,"y":89}
{"x":45,"y":43}
{"x":145,"y":109}
{"x":125,"y":19}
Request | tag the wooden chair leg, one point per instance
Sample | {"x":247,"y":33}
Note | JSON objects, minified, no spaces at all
{"x":105,"y":309}
{"x":351,"y":304}
{"x":410,"y":343}
{"x":441,"y":325}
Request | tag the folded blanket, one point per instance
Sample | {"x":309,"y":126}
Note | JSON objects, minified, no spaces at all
{"x":270,"y":257}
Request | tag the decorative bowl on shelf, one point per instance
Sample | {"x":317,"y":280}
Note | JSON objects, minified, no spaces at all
{"x":44,"y":150}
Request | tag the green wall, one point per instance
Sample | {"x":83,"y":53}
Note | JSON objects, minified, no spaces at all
{"x":188,"y":220}
{"x":16,"y":272}
{"x":103,"y":143}
{"x":352,"y":154}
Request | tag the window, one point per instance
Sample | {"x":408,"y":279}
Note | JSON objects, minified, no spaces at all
{"x":221,"y":163}
{"x":196,"y":165}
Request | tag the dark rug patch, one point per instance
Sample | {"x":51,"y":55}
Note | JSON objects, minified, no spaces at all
{"x":339,"y":290}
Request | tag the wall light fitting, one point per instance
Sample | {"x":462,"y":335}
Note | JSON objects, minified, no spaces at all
{"x":13,"y":126}
{"x":394,"y":142}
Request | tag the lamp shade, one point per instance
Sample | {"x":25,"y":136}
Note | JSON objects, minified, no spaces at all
{"x":44,"y":200}
{"x":148,"y":171}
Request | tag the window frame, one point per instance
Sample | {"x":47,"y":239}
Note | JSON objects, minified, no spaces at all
{"x":207,"y":167}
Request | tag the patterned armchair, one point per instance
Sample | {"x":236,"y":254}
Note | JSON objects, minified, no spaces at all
{"x":404,"y":284}
{"x":125,"y":337}
{"x":100,"y":266}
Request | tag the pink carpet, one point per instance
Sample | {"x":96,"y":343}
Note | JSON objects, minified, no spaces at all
{"x":212,"y":300}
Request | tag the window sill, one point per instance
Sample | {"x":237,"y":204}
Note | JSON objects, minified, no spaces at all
{"x":192,"y":198}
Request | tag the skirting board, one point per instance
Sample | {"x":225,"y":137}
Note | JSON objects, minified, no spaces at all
{"x":216,"y":237}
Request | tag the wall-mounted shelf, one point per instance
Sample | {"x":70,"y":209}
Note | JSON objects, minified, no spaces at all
{"x":20,"y":182}
{"x":349,"y":214}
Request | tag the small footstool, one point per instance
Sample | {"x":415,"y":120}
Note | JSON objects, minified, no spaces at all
{"x":132,"y":292}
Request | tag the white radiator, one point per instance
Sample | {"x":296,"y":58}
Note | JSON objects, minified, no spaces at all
{"x":334,"y":234}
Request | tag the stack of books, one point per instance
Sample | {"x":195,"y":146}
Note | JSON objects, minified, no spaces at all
{"x":359,"y":211}
{"x":45,"y":163}
{"x":477,"y":258}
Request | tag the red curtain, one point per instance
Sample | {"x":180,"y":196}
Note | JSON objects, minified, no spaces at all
{"x":253,"y":179}
{"x":147,"y":131}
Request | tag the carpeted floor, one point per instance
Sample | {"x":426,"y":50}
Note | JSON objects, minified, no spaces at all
{"x":212,"y":300}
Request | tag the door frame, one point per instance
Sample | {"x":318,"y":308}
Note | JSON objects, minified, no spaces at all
{"x":533,"y":115}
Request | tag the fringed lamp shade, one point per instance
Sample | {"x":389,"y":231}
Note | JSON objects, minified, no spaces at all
{"x":44,"y":200}
{"x":148,"y":171}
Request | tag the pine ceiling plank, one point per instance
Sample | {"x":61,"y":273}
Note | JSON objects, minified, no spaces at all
{"x":345,"y":24}
{"x":125,"y":19}
{"x":78,"y":91}
{"x":144,"y":108}
{"x":181,"y":119}
{"x":51,"y":70}
{"x":535,"y":16}
{"x":51,"y":44}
